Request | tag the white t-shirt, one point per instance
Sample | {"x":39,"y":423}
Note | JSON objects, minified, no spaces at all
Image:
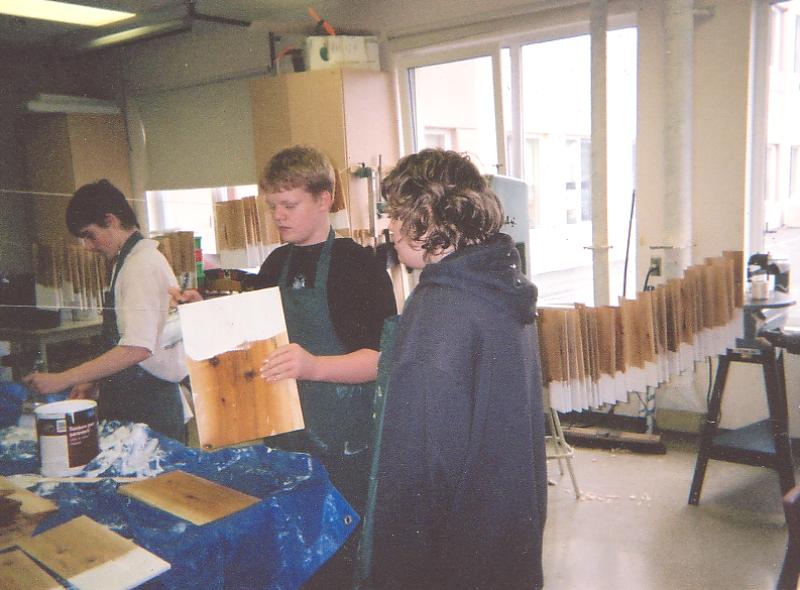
{"x":142,"y":304}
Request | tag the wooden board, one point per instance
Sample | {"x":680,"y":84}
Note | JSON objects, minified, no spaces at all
{"x":21,"y":528}
{"x":20,"y":572}
{"x":226,"y":340}
{"x":32,"y":505}
{"x":92,"y":557}
{"x":189,"y":497}
{"x":553,"y":344}
{"x":234,"y":404}
{"x":606,"y":340}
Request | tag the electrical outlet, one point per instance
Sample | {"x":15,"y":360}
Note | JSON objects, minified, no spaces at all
{"x":655,"y":266}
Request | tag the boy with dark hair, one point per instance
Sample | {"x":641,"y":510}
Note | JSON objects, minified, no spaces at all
{"x":461,"y":477}
{"x":137,"y":378}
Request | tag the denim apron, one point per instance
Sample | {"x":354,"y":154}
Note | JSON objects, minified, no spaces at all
{"x":133,"y":394}
{"x":338,"y":417}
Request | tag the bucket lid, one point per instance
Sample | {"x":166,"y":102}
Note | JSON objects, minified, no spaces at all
{"x":65,"y":407}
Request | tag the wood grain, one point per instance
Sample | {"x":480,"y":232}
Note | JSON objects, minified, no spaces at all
{"x":32,"y":505}
{"x":92,"y":557}
{"x":192,"y":498}
{"x":20,"y":572}
{"x":21,"y":528}
{"x":234,"y":404}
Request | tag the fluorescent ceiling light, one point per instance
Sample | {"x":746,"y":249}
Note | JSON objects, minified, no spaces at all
{"x":60,"y":103}
{"x":63,"y":12}
{"x":138,"y":33}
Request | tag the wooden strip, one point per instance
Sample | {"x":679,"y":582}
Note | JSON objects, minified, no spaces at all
{"x":673,"y":314}
{"x":268,"y":228}
{"x":231,"y":225}
{"x":691,"y":316}
{"x":165,"y":247}
{"x":574,"y":348}
{"x":645,"y":326}
{"x":737,"y":261}
{"x":252,"y":220}
{"x":92,"y":557}
{"x":187,"y":496}
{"x":606,"y":340}
{"x":339,"y":201}
{"x":186,"y":249}
{"x":20,"y":572}
{"x":32,"y":504}
{"x":621,"y":357}
{"x":660,"y":318}
{"x":552,"y":323}
{"x":588,"y":340}
{"x":631,"y":345}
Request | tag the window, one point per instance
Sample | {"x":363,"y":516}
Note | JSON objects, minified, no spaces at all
{"x":794,"y":173}
{"x":522,"y":107}
{"x":437,"y":137}
{"x":192,"y":210}
{"x":578,"y":159}
{"x":797,"y":44}
{"x":772,"y":173}
{"x":776,"y":36}
{"x":454,"y":109}
{"x":532,"y":174}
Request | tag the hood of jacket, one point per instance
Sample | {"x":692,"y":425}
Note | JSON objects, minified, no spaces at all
{"x":490,"y":271}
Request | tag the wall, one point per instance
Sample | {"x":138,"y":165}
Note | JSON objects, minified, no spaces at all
{"x":24,"y":74}
{"x":720,"y":154}
{"x":722,"y":126}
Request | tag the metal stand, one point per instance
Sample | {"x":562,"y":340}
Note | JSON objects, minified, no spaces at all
{"x":762,"y":444}
{"x":648,"y":410}
{"x":558,"y":448}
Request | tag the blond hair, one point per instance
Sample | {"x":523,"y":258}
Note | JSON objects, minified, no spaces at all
{"x":298,"y":167}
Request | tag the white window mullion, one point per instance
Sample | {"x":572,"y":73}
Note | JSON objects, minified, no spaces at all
{"x":517,"y":154}
{"x":500,"y":124}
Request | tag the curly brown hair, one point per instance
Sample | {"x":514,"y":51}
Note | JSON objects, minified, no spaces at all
{"x":440,"y":198}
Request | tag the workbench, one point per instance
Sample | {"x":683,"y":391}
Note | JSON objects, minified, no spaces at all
{"x":277,"y":543}
{"x":38,"y":340}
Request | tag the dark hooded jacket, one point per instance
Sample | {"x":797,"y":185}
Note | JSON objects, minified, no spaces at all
{"x":461,"y":475}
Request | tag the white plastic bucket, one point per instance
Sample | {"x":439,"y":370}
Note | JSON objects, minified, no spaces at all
{"x":68,"y":438}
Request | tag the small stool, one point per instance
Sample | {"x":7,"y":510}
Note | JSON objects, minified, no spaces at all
{"x":556,"y":447}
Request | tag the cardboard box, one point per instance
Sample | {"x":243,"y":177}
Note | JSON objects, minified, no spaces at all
{"x":342,"y":51}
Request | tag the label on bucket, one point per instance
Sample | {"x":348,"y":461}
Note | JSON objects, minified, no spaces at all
{"x":68,"y":437}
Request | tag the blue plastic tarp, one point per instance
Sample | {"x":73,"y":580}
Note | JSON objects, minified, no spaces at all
{"x":278,"y":543}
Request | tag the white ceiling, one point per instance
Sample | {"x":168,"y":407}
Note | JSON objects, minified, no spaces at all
{"x":288,"y":14}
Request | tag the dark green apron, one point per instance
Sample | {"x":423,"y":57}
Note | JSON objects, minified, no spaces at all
{"x":364,"y":557}
{"x":338,"y":417}
{"x":133,"y":394}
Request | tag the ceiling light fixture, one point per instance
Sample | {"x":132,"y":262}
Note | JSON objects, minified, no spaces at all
{"x":63,"y":12}
{"x":138,"y":34}
{"x":61,"y":103}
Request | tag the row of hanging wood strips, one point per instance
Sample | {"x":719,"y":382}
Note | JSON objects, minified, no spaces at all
{"x":598,"y":355}
{"x":68,"y":276}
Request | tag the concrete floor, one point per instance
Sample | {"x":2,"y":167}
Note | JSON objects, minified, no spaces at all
{"x":633,"y":529}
